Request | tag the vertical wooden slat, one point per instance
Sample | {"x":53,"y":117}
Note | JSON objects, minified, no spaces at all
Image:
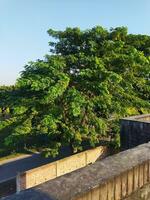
{"x":124,"y":184}
{"x":84,"y":197}
{"x":149,"y":171}
{"x":79,"y":198}
{"x":141,"y":175}
{"x":103,"y":192}
{"x":117,"y":188}
{"x":110,"y":190}
{"x":145,"y":173}
{"x":95,"y":194}
{"x":130,"y":182}
{"x":89,"y":196}
{"x":136,"y":178}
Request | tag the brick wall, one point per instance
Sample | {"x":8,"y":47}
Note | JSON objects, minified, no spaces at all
{"x":50,"y":171}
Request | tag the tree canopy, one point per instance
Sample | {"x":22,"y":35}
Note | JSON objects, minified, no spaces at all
{"x":78,"y":93}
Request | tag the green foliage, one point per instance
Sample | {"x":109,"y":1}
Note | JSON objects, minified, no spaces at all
{"x":78,"y":93}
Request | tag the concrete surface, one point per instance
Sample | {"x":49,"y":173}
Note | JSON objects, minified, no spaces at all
{"x":10,"y":169}
{"x":77,"y":183}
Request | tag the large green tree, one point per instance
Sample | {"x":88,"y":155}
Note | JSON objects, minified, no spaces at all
{"x":78,"y":93}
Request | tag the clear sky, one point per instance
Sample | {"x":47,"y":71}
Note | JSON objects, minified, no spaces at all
{"x":24,"y":25}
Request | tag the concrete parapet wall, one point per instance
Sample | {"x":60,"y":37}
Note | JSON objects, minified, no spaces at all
{"x":50,"y":171}
{"x":120,"y":186}
{"x":114,"y":178}
{"x":135,"y":130}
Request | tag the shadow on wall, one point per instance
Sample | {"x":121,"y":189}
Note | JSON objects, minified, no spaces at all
{"x":8,"y":187}
{"x":135,"y":130}
{"x":30,"y":194}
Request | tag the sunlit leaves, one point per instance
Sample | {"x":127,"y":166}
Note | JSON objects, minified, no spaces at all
{"x":78,"y":93}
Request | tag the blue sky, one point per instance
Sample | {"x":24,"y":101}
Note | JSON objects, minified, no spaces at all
{"x":24,"y":25}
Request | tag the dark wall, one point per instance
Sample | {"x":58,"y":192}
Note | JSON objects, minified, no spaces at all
{"x":134,"y":132}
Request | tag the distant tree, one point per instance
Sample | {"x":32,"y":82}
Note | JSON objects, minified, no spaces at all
{"x":78,"y":93}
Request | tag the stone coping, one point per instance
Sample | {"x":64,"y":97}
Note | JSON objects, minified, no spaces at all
{"x":39,"y":175}
{"x":79,"y":182}
{"x":138,"y":118}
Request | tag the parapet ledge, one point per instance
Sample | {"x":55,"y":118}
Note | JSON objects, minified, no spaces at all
{"x":80,"y":182}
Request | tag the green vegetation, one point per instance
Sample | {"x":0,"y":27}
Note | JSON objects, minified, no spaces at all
{"x":79,"y":92}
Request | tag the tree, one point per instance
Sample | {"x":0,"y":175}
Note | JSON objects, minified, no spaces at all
{"x":79,"y":92}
